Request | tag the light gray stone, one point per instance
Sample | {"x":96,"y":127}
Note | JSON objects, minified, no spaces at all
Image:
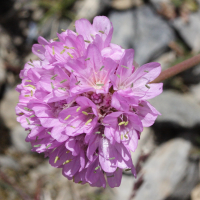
{"x":143,"y":30}
{"x":8,"y":105}
{"x":177,"y":108}
{"x":146,"y":145}
{"x":8,"y":162}
{"x":195,"y":89}
{"x":18,"y":135}
{"x":124,"y":24}
{"x":158,"y":3}
{"x":2,"y":72}
{"x":164,"y":170}
{"x":190,"y":31}
{"x":196,"y":191}
{"x":152,"y":36}
{"x":124,"y":190}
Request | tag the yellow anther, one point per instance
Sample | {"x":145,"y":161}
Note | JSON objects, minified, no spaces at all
{"x":100,"y":84}
{"x":85,"y":113}
{"x":97,"y":168}
{"x":121,"y":123}
{"x":28,"y":81}
{"x":122,"y":137}
{"x":126,"y":136}
{"x":31,"y":92}
{"x":124,"y":66}
{"x":67,"y":117}
{"x":30,"y":86}
{"x":63,"y":30}
{"x":54,"y":39}
{"x":87,"y":41}
{"x":28,"y":121}
{"x":26,"y":95}
{"x":31,"y":64}
{"x":67,"y":151}
{"x":63,"y":81}
{"x":53,"y":77}
{"x":131,"y":85}
{"x":101,"y":68}
{"x":52,"y":85}
{"x":147,"y":86}
{"x":62,"y":51}
{"x":70,"y":54}
{"x":48,"y":146}
{"x":66,"y":47}
{"x":67,"y":161}
{"x":126,"y":123}
{"x":53,"y":50}
{"x":78,"y":109}
{"x":101,"y":32}
{"x":54,"y":149}
{"x":88,"y":122}
{"x":56,"y":159}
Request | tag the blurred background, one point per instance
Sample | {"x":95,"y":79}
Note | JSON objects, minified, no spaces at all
{"x":167,"y":158}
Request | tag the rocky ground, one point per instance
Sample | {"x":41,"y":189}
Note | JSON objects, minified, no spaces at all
{"x":167,"y":158}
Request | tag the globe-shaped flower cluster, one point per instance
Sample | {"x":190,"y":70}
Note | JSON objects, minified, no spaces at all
{"x":85,"y":103}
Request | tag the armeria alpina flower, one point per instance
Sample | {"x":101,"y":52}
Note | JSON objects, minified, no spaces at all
{"x":85,"y":104}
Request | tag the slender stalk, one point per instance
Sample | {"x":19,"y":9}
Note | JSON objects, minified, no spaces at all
{"x":172,"y":71}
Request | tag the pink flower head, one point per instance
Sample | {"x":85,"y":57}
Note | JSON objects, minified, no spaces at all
{"x":85,"y":104}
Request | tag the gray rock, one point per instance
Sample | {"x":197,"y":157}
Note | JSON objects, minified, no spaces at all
{"x":124,"y":190}
{"x":2,"y":72}
{"x":195,"y":89}
{"x":18,"y":135}
{"x":8,"y":162}
{"x":8,"y":104}
{"x":124,"y":27}
{"x":157,"y":3}
{"x":176,"y":108}
{"x":125,"y":4}
{"x":143,"y":30}
{"x":145,"y":146}
{"x":196,"y":191}
{"x":165,"y":170}
{"x":152,"y":36}
{"x":190,"y":31}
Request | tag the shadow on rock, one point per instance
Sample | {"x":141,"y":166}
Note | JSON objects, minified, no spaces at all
{"x":4,"y":136}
